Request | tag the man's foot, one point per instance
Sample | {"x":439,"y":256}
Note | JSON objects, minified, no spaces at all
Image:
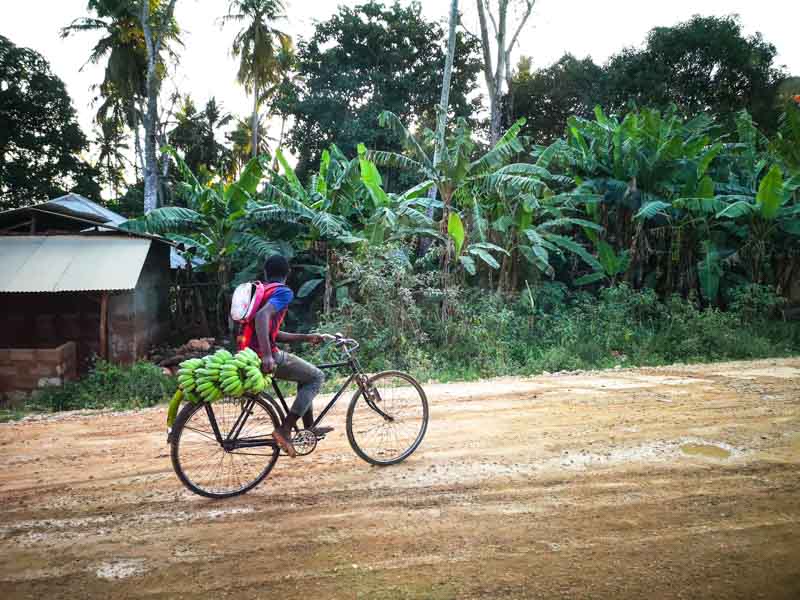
{"x":284,"y":442}
{"x":321,"y":431}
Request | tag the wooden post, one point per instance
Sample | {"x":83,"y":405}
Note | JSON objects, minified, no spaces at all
{"x":104,"y":326}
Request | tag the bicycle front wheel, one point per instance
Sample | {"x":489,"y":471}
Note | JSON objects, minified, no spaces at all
{"x":387,"y":423}
{"x":223,"y":470}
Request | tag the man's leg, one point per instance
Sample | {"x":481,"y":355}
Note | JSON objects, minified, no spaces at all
{"x":309,"y":382}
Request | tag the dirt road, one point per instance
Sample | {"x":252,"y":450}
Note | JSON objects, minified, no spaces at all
{"x":677,"y":482}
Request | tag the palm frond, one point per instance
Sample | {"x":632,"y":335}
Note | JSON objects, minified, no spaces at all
{"x":506,"y":147}
{"x":392,"y":121}
{"x":257,"y":246}
{"x":168,"y":219}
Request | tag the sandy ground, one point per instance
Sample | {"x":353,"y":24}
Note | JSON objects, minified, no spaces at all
{"x":677,"y":482}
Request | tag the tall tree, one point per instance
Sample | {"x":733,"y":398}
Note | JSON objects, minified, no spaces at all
{"x":122,"y":92}
{"x":703,"y":65}
{"x":441,"y":117}
{"x":158,"y":25}
{"x":548,"y":97}
{"x":241,"y":140}
{"x":501,"y":45}
{"x":195,"y":135}
{"x":112,"y":160}
{"x":40,"y":141}
{"x":261,"y":48}
{"x":368,"y":58}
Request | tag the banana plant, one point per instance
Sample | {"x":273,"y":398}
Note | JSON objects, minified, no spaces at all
{"x":611,"y":264}
{"x":216,"y":225}
{"x":392,"y":217}
{"x":216,"y":221}
{"x":318,"y":209}
{"x":648,"y":179}
{"x":473,"y":251}
{"x":455,"y":174}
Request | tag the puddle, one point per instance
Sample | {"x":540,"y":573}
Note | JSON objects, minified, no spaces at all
{"x":706,"y":451}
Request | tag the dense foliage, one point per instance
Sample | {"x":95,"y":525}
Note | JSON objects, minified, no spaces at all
{"x":110,"y":386}
{"x":705,"y":65}
{"x":36,"y":114}
{"x":367,"y":59}
{"x":547,"y":327}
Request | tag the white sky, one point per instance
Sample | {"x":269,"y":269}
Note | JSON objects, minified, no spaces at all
{"x":582,"y":27}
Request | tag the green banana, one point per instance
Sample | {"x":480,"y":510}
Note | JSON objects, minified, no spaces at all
{"x":174,"y":404}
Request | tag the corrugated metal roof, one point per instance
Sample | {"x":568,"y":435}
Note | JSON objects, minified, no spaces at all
{"x":83,"y":207}
{"x":69,"y":205}
{"x":69,"y":263}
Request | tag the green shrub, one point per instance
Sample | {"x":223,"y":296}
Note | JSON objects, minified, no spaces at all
{"x":756,"y":303}
{"x":110,"y":386}
{"x":548,"y":328}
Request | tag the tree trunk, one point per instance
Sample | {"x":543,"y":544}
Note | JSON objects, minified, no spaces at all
{"x":444,"y":102}
{"x":138,"y":162}
{"x":326,"y":304}
{"x":495,"y":76}
{"x":150,"y":156}
{"x":280,"y":143}
{"x":254,"y":124}
{"x":153,"y":40}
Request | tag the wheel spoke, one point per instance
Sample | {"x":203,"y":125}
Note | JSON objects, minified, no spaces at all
{"x":385,"y":441}
{"x":206,"y":467}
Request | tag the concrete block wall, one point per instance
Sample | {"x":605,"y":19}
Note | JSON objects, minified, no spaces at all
{"x":23,"y":370}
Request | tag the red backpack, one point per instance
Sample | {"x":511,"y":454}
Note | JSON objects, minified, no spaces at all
{"x":248,"y":298}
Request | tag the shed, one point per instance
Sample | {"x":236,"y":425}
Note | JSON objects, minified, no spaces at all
{"x":72,"y":286}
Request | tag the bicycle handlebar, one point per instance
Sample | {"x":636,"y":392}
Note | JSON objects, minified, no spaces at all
{"x":349,"y":344}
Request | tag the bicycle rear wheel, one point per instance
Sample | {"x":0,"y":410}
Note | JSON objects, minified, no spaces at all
{"x":386,"y":427}
{"x":214,"y":470}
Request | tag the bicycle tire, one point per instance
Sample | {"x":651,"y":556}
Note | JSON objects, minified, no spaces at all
{"x":364,"y":453}
{"x":186,"y":413}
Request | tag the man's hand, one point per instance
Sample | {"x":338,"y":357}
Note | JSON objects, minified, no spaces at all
{"x":267,"y":363}
{"x":318,"y":338}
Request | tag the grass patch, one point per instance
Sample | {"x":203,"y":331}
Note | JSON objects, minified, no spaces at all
{"x":109,"y":386}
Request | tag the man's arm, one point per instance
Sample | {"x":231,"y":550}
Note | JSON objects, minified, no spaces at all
{"x":294,"y":338}
{"x":263,"y":321}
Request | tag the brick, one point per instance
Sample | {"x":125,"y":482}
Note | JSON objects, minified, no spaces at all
{"x":25,"y":382}
{"x":20,"y":354}
{"x":8,"y":383}
{"x":23,"y":368}
{"x":48,"y":355}
{"x":44,"y":369}
{"x":5,"y":354}
{"x":8,"y":371}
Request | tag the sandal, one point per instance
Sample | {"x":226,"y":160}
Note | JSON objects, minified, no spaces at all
{"x":284,"y":443}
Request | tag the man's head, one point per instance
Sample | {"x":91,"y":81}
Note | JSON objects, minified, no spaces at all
{"x":276,"y":268}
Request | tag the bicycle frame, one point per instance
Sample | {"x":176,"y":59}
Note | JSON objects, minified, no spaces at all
{"x":231,"y":441}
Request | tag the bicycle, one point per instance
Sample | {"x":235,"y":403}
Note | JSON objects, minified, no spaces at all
{"x":225,"y":449}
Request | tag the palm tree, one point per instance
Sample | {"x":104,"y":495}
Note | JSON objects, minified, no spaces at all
{"x":123,"y":87}
{"x":195,"y":134}
{"x":241,"y":140}
{"x":111,"y":159}
{"x":258,"y":45}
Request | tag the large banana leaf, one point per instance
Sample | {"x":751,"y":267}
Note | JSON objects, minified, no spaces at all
{"x":770,"y":193}
{"x":455,"y":227}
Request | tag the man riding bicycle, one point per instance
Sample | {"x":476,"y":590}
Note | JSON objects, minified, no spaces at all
{"x":281,"y":364}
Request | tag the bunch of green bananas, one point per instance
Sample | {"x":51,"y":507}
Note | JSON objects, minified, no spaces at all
{"x":218,"y":375}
